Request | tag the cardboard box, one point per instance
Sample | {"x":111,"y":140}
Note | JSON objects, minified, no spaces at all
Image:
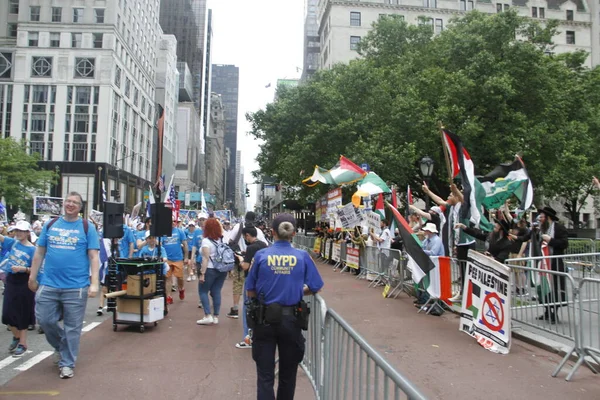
{"x":129,"y":309}
{"x":133,"y":284}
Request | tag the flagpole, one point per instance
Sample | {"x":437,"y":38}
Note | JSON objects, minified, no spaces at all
{"x":446,"y":155}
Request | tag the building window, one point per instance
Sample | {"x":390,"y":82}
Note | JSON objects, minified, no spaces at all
{"x":99,"y":14}
{"x":127,"y":87}
{"x":38,"y":122}
{"x":5,"y":65}
{"x":118,"y":77}
{"x":499,"y":7}
{"x":542,"y":12}
{"x":80,"y":151}
{"x":41,"y":67}
{"x":56,"y":14}
{"x":77,"y":14}
{"x":13,"y":7}
{"x":54,"y":39}
{"x":98,"y":40}
{"x":354,"y":18}
{"x":12,"y":30}
{"x":354,"y":41}
{"x":76,"y":39}
{"x":439,"y":26}
{"x":39,"y":94}
{"x":83,"y":95}
{"x":33,"y":39}
{"x":570,"y":37}
{"x":569,"y":15}
{"x":84,"y":67}
{"x":430,"y":3}
{"x":34,"y":13}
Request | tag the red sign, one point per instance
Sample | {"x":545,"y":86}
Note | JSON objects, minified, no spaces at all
{"x":492,"y":312}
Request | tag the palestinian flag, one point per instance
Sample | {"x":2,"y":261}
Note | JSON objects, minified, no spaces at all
{"x":409,"y":196}
{"x":345,"y":171}
{"x":418,"y":262}
{"x":462,"y":166}
{"x":394,"y":225}
{"x":439,"y":284}
{"x":373,"y":184}
{"x":473,"y":290}
{"x":379,"y":208}
{"x":505,"y":181}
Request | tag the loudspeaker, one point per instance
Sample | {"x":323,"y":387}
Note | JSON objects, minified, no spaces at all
{"x":113,"y":220}
{"x":162,"y":220}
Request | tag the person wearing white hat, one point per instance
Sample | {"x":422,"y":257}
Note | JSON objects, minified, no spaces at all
{"x":432,"y":245}
{"x":18,"y":307}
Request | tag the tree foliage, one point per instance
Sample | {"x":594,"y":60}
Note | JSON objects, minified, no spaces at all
{"x":491,"y":79}
{"x":20,"y":177}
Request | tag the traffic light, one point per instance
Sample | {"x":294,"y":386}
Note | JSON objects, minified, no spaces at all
{"x":247,"y":192}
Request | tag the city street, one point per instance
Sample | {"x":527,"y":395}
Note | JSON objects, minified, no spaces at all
{"x":179,"y":359}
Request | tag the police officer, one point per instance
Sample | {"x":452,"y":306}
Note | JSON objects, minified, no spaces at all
{"x":280,"y":275}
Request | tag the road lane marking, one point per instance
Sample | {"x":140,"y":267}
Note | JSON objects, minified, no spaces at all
{"x":34,"y":360}
{"x":43,"y":393}
{"x":10,"y":359}
{"x":90,"y":326}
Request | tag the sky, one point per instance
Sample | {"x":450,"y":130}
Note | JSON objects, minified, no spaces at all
{"x":264,"y":38}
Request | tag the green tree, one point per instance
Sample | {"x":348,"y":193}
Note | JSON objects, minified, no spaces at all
{"x":20,"y":177}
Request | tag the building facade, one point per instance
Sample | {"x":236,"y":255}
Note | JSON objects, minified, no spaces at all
{"x":342,"y":23}
{"x":216,"y":162}
{"x":225,"y":81}
{"x":167,"y":96}
{"x":77,"y":82}
{"x":312,"y":43}
{"x":188,"y":173}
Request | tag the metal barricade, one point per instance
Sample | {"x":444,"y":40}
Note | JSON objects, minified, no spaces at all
{"x":313,"y":362}
{"x":355,"y":370}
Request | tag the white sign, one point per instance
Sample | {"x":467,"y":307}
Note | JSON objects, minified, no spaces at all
{"x":337,"y":250}
{"x":373,"y":221}
{"x":349,"y":216}
{"x":485,"y":312}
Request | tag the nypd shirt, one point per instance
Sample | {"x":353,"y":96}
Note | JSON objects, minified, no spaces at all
{"x":280,"y":272}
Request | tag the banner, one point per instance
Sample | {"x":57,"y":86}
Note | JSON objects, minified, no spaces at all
{"x":97,"y":217}
{"x":52,"y":206}
{"x":323,"y":206}
{"x":352,"y":256}
{"x":337,"y":250}
{"x":317,"y":246}
{"x":349,"y":216}
{"x":485,"y":312}
{"x":334,"y":200}
{"x":318,"y":211}
{"x":223,"y":215}
{"x":373,"y":221}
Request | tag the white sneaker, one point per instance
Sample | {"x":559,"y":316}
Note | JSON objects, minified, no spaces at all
{"x":208,"y":320}
{"x":189,"y":279}
{"x":215,"y":320}
{"x":193,"y":277}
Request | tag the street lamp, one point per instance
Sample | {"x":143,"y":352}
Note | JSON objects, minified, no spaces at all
{"x":426,"y":165}
{"x":117,"y":192}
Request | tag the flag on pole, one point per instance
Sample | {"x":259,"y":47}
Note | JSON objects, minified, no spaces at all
{"x":393,"y":224}
{"x":372,"y":184}
{"x":149,"y":202}
{"x":506,"y":180}
{"x":161,"y":183}
{"x":160,"y":124}
{"x":461,"y":165}
{"x":204,"y":208}
{"x":345,"y":171}
{"x":3,"y":213}
{"x":418,"y":262}
{"x":409,"y":196}
{"x":103,"y":191}
{"x":379,"y":207}
{"x":170,"y":197}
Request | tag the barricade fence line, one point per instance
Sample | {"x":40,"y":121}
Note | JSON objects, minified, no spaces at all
{"x":569,"y":294}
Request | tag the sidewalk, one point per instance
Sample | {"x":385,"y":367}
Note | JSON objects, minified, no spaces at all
{"x":441,"y":361}
{"x":177,"y":359}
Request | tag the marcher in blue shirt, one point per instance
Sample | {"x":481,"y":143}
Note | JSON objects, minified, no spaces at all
{"x":127,"y":243}
{"x":176,"y":248}
{"x":279,"y":276}
{"x":190,"y":234}
{"x":432,"y":245}
{"x":18,"y":306}
{"x":70,"y":258}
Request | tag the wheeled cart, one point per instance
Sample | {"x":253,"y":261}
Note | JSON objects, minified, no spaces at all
{"x":142,"y":299}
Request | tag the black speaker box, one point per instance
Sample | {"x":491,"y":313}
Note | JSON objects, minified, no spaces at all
{"x":162,"y":220}
{"x":113,"y":220}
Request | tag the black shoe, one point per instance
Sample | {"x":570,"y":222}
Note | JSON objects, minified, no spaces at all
{"x":552,"y":318}
{"x":40,"y":330}
{"x":233,"y":313}
{"x":31,"y":327}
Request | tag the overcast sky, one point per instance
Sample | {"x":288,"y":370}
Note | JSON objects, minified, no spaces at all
{"x":264,"y":38}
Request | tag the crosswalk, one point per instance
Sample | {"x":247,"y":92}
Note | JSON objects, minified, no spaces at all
{"x":31,"y":358}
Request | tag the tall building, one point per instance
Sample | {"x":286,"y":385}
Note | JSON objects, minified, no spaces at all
{"x":312,"y":44}
{"x":225,"y":81}
{"x":77,"y":82}
{"x":216,"y":162}
{"x":240,"y":188}
{"x":207,"y":76}
{"x":342,"y":24}
{"x":167,"y":95}
{"x":186,"y":19}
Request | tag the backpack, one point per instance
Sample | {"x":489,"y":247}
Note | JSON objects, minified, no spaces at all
{"x":224,"y":260}
{"x":85,"y":224}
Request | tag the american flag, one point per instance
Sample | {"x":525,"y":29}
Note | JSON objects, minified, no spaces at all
{"x":170,"y":199}
{"x":3,"y":216}
{"x":161,"y":183}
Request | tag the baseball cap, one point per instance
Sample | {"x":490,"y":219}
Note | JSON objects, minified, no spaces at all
{"x":285,"y":217}
{"x":11,"y":228}
{"x":191,"y":223}
{"x":23,"y":226}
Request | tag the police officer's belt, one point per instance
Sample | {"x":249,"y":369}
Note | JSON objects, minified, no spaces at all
{"x":289,"y":310}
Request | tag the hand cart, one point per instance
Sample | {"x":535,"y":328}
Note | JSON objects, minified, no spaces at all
{"x":143,"y":268}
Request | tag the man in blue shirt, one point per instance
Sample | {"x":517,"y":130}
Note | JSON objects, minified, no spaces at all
{"x":70,"y":257}
{"x":279,"y":276}
{"x":190,"y":233}
{"x":176,"y":248}
{"x":127,"y":243}
{"x":432,"y":245}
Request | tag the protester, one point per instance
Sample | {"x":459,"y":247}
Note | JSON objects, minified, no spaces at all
{"x":210,"y":279}
{"x":18,"y":307}
{"x":189,"y":234}
{"x":63,"y":289}
{"x":278,"y":278}
{"x":236,"y":240}
{"x":254,"y":245}
{"x":498,"y":242}
{"x":126,"y":243}
{"x":177,"y":252}
{"x":432,"y":245}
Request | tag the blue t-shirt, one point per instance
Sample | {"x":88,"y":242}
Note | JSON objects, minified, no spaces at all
{"x":17,"y":256}
{"x":146,"y":251}
{"x":125,"y":241}
{"x":280,"y":272}
{"x":138,"y":235}
{"x":66,"y":264}
{"x":190,"y":237}
{"x":172,"y":245}
{"x":197,"y":241}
